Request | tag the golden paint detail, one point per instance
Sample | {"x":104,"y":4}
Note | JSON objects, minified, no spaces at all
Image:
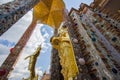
{"x":67,"y":59}
{"x":32,"y":62}
{"x":49,"y":12}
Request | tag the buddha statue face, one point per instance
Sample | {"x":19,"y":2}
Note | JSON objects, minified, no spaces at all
{"x":63,"y":32}
{"x":54,"y":40}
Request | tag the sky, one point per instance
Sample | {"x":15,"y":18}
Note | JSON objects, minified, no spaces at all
{"x":41,"y":34}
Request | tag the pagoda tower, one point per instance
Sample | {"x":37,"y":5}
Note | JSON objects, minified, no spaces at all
{"x":94,"y":32}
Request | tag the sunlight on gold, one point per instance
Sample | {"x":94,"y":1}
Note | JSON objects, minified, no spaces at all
{"x":49,"y":12}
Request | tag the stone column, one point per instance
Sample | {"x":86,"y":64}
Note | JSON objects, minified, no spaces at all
{"x":55,"y":69}
{"x":11,"y":12}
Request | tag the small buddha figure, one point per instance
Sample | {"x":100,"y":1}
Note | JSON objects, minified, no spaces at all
{"x":32,"y":62}
{"x":67,"y":60}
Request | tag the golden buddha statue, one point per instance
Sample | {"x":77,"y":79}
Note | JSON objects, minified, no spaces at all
{"x":67,"y":59}
{"x":32,"y":62}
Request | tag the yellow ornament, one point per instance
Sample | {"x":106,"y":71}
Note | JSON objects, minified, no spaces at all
{"x":67,"y":59}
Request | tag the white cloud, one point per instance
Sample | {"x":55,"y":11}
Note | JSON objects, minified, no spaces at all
{"x":16,"y":31}
{"x":13,"y":35}
{"x":39,"y":72}
{"x":43,"y":30}
{"x":48,"y":68}
{"x":46,"y":35}
{"x":4,"y":51}
{"x":21,"y":71}
{"x":2,"y":58}
{"x":36,"y":38}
